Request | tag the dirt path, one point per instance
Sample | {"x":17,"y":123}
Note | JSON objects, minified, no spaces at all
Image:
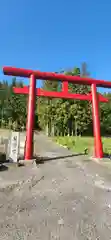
{"x":65,"y":198}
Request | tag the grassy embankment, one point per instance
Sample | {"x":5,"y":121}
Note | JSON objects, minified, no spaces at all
{"x":79,"y":144}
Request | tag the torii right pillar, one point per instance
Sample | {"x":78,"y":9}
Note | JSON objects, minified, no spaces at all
{"x":96,"y":124}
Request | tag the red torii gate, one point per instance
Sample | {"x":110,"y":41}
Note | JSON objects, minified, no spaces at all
{"x":64,"y":94}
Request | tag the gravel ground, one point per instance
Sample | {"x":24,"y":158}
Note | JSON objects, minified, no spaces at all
{"x":68,"y":197}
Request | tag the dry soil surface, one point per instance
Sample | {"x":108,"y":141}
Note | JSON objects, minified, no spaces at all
{"x":66,"y":197}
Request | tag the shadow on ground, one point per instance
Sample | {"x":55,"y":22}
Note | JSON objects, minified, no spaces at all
{"x":2,"y":161}
{"x":3,"y":168}
{"x":42,"y":160}
{"x":107,"y":155}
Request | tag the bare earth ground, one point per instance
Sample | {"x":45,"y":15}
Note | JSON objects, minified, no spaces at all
{"x":66,"y":198}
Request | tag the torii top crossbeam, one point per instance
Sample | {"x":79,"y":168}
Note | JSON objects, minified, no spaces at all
{"x":20,"y":72}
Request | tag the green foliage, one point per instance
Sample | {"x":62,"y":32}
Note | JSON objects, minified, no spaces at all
{"x":105,"y":116}
{"x":72,"y":117}
{"x":66,"y":116}
{"x":12,"y":106}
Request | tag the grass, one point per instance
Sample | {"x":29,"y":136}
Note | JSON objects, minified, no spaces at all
{"x":79,"y":144}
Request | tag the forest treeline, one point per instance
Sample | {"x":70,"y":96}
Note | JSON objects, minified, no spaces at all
{"x":54,"y":116}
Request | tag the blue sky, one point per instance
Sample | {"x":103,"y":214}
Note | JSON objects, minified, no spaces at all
{"x":53,"y":35}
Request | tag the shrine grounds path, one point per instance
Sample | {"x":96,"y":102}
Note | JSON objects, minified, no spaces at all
{"x":64,"y":197}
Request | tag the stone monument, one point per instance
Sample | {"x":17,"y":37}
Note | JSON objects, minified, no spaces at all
{"x":14,"y":146}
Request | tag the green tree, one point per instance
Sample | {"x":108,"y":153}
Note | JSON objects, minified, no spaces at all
{"x":63,"y":113}
{"x":105,"y":116}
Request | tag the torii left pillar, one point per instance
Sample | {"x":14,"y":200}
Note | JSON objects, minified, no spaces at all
{"x":28,"y":154}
